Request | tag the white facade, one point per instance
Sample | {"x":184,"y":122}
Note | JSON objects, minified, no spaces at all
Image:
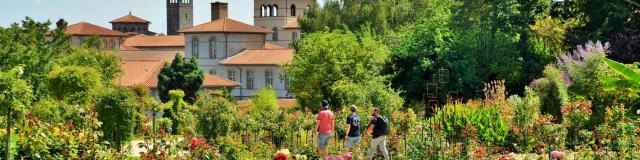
{"x":210,"y":49}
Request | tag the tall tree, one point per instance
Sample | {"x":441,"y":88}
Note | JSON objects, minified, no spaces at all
{"x":16,"y":94}
{"x":183,"y":75}
{"x":343,"y":67}
{"x":108,"y":65}
{"x":28,"y":45}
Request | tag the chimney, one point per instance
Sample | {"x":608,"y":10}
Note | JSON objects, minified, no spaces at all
{"x":218,"y":10}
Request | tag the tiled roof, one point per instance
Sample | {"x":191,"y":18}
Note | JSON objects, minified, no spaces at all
{"x":143,"y":67}
{"x":166,"y":56}
{"x":283,"y":103}
{"x":268,"y":45}
{"x":154,"y":41}
{"x":87,"y":29}
{"x":225,"y":25}
{"x":292,"y":25}
{"x":129,"y":19}
{"x":260,"y":57}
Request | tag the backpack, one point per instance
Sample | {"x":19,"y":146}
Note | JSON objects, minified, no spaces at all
{"x":385,"y":127}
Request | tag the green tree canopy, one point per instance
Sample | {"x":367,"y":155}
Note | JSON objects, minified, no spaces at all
{"x":27,"y":45}
{"x":107,"y":64}
{"x":215,"y":109}
{"x":183,"y":75}
{"x":93,"y":42}
{"x":326,"y":61}
{"x":74,"y":83}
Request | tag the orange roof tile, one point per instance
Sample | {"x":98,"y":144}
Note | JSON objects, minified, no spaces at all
{"x":129,"y":19}
{"x":154,"y":41}
{"x":292,"y":25}
{"x":268,"y":45}
{"x":143,"y":67}
{"x":225,"y":25}
{"x":166,"y":56}
{"x":260,"y":57}
{"x":87,"y":29}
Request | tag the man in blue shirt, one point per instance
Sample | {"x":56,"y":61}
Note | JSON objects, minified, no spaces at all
{"x":353,"y":129}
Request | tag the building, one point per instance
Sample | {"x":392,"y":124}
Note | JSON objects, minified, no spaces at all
{"x":179,"y":15}
{"x":83,"y":30}
{"x":153,"y":43}
{"x":281,"y":17}
{"x":131,"y":24}
{"x":239,"y":52}
{"x":141,"y":68}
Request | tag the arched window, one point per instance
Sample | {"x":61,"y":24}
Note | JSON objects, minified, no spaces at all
{"x":263,"y":11}
{"x":275,"y":34}
{"x":268,"y":14}
{"x":274,"y":10}
{"x":293,"y":10}
{"x":212,"y":48}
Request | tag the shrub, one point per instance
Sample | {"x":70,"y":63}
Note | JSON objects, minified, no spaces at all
{"x":74,"y":83}
{"x":178,"y":111}
{"x":215,"y":117}
{"x":488,"y":122}
{"x":523,"y":121}
{"x":232,"y":149}
{"x":552,"y":91}
{"x":117,"y":110}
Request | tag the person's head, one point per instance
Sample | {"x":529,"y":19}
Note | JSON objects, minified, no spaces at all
{"x":352,"y":108}
{"x":325,"y":104}
{"x":375,"y":111}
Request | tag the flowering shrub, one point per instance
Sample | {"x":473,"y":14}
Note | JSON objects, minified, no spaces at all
{"x":490,"y":126}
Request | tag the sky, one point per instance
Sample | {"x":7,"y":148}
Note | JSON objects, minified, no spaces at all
{"x":100,"y":12}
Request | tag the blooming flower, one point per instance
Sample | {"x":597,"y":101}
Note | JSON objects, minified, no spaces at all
{"x":557,"y":154}
{"x":419,"y":127}
{"x":347,"y":155}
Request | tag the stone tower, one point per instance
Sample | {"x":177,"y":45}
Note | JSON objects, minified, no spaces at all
{"x":179,"y":15}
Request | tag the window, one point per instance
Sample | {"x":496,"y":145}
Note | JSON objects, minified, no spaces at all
{"x":268,"y":14}
{"x":274,"y":10}
{"x":250,"y":79}
{"x":231,"y":74}
{"x":287,"y":82}
{"x":263,"y":11}
{"x":275,"y":34}
{"x":293,"y":10}
{"x":268,"y":78}
{"x":212,"y":48}
{"x":294,"y":35}
{"x":194,"y":48}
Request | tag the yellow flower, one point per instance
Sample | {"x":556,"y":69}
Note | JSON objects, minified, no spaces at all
{"x":3,"y":132}
{"x":80,"y":136}
{"x":56,"y":131}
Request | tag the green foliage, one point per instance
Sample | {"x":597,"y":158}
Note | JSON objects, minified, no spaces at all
{"x":179,"y":112}
{"x":16,"y":93}
{"x":107,"y":64}
{"x":117,"y":110}
{"x":265,"y":110}
{"x":75,"y":84}
{"x":630,"y":80}
{"x":26,"y":45}
{"x":180,"y":74}
{"x":486,"y":121}
{"x":331,"y":65}
{"x":216,"y":116}
{"x":93,"y":42}
{"x":552,"y":91}
{"x":232,"y":149}
{"x":383,"y":16}
{"x":527,"y":109}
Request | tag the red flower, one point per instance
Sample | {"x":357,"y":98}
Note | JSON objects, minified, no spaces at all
{"x":195,"y":142}
{"x":614,"y":138}
{"x":593,"y":133}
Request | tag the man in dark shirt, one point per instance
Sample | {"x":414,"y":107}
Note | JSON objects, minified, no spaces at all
{"x":378,"y":127}
{"x":353,"y":129}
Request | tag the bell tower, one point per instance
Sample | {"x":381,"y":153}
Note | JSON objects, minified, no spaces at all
{"x":179,"y":15}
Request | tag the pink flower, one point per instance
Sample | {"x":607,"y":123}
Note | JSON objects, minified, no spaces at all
{"x":347,"y":155}
{"x":557,"y":154}
{"x":419,"y":127}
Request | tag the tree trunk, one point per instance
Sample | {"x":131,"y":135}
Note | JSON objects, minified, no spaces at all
{"x":8,"y":148}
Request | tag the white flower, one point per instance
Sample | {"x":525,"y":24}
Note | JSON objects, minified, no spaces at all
{"x":638,"y":112}
{"x":20,"y":71}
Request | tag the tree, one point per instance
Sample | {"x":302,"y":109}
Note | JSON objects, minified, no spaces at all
{"x":117,"y":110}
{"x":180,"y":74}
{"x":74,"y":83}
{"x":178,"y":111}
{"x":93,"y":42}
{"x":215,"y":109}
{"x":625,"y":46}
{"x":15,"y":94}
{"x":108,"y":65}
{"x":326,"y":60}
{"x":27,"y":45}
